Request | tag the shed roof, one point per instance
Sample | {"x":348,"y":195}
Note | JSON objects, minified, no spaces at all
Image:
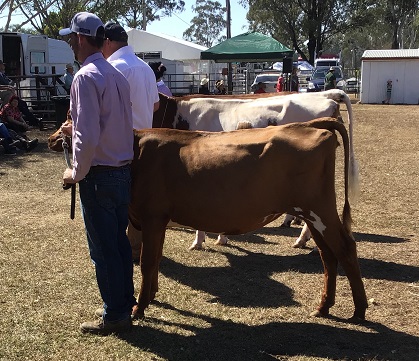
{"x":390,"y":54}
{"x":170,"y":47}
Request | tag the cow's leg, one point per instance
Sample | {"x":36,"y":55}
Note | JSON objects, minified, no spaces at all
{"x":304,"y":237}
{"x":348,"y":258}
{"x":221,"y":240}
{"x":153,"y":238}
{"x":199,"y":239}
{"x":135,"y":239}
{"x":336,"y":245}
{"x":287,"y":220}
{"x":330,"y":265}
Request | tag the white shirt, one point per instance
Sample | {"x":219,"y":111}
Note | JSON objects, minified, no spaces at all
{"x":142,"y":82}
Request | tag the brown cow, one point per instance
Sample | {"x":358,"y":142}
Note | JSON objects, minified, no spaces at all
{"x":199,"y":179}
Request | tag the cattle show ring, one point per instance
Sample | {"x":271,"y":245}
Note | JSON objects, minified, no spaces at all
{"x":251,"y":299}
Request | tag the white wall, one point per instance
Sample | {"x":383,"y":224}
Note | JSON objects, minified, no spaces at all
{"x":404,"y":74}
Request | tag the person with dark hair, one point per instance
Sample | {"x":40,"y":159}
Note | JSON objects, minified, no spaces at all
{"x":102,"y":140}
{"x":12,"y":118}
{"x":159,"y":70}
{"x":141,"y":79}
{"x":220,"y":87}
{"x":261,"y":88}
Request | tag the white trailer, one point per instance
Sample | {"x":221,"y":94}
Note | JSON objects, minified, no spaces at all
{"x":25,"y":55}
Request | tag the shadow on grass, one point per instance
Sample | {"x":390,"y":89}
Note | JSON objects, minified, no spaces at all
{"x":225,"y":340}
{"x":247,"y":281}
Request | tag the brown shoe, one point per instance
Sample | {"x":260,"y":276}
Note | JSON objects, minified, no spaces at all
{"x":100,"y":327}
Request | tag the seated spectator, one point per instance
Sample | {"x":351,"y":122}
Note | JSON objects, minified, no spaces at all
{"x":6,"y":85}
{"x":220,"y":88}
{"x":261,"y":88}
{"x":203,"y":89}
{"x":6,"y":140}
{"x":12,"y":118}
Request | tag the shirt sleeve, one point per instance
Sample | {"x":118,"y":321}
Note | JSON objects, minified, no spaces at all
{"x":86,"y":124}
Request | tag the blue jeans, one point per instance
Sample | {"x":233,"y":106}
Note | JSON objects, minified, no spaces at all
{"x":104,"y":198}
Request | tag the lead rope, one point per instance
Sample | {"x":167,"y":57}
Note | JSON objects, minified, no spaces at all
{"x":72,"y":186}
{"x":164,"y":114}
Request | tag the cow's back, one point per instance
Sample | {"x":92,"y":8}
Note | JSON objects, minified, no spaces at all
{"x":247,"y":170}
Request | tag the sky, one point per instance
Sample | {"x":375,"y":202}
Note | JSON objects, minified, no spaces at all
{"x":178,"y":23}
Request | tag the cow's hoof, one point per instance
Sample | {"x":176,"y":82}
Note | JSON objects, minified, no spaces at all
{"x":299,"y":244}
{"x":221,"y":241}
{"x":359,"y":315}
{"x":318,"y":313}
{"x":297,"y":221}
{"x":195,"y":247}
{"x":136,"y":313}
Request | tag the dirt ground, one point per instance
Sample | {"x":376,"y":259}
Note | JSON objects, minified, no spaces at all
{"x":250,"y":300}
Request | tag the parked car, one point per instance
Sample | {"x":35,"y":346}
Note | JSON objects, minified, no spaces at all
{"x":353,"y":85}
{"x":316,"y":80}
{"x":269,"y":79}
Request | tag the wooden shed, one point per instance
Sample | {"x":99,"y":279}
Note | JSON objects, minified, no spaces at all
{"x":401,"y":66}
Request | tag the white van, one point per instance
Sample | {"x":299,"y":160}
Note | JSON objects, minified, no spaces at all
{"x":327,"y":62}
{"x":23,"y":54}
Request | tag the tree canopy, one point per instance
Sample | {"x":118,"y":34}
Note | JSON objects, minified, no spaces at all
{"x":207,"y":24}
{"x":310,"y":27}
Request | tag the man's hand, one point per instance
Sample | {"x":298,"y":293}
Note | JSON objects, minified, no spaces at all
{"x":67,"y":129}
{"x":67,"y":177}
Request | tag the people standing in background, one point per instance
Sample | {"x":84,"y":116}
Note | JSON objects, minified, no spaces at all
{"x":141,"y":78}
{"x":102,"y":143}
{"x":6,"y":85}
{"x":294,"y":80}
{"x":220,"y":88}
{"x":389,"y":88}
{"x":203,"y":87}
{"x":143,"y":93}
{"x":330,"y":79}
{"x":159,"y":70}
{"x":68,"y":77}
{"x":280,"y":84}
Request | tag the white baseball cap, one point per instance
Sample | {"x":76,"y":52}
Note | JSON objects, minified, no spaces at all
{"x":83,"y":23}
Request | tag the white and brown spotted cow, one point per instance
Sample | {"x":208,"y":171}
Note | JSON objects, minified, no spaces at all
{"x":199,"y":179}
{"x":224,"y":113}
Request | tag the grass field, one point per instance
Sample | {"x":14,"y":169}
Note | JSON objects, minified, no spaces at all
{"x":250,"y":300}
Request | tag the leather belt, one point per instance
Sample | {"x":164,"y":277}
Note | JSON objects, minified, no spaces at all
{"x":103,"y":168}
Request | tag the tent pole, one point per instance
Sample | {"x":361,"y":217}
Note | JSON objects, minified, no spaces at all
{"x":230,"y":67}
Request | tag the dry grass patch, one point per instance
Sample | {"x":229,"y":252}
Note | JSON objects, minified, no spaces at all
{"x":250,"y":300}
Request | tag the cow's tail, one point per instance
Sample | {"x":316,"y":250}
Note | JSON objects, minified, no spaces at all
{"x":353,"y":164}
{"x":350,"y":168}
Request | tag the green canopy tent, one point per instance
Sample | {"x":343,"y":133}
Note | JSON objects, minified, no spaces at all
{"x":248,"y":47}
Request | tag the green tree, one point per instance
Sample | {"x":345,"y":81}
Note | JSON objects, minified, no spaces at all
{"x":208,"y":23}
{"x":47,"y":17}
{"x":307,"y":25}
{"x":132,"y":14}
{"x":399,"y":13}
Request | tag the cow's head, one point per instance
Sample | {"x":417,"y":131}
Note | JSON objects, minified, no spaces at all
{"x":55,"y":141}
{"x":164,"y":116}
